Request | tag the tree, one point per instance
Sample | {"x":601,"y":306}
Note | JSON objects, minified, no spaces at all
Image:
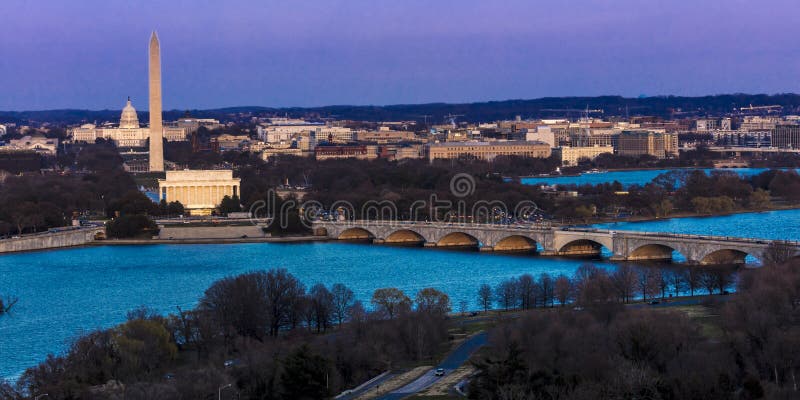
{"x":343,"y":299}
{"x":663,"y":208}
{"x":759,"y":199}
{"x":322,"y":305}
{"x":545,"y":288}
{"x":563,"y":289}
{"x":430,"y":300}
{"x":647,"y":282}
{"x":239,"y":305}
{"x":143,"y":346}
{"x":678,"y":278}
{"x":584,"y":212}
{"x":129,"y":226}
{"x":390,"y":301}
{"x":692,"y":280}
{"x":526,"y":290}
{"x":306,"y":375}
{"x":485,"y":297}
{"x":230,"y":204}
{"x":708,"y":280}
{"x":624,"y":280}
{"x":283,"y":291}
{"x":507,"y":293}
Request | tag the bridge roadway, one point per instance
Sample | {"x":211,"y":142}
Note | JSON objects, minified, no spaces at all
{"x":553,"y":241}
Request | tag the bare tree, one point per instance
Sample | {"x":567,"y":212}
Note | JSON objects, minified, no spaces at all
{"x":624,"y":280}
{"x":485,"y":297}
{"x":390,"y":301}
{"x":322,"y":304}
{"x":546,"y":290}
{"x":343,"y":299}
{"x":433,"y":301}
{"x":507,"y":293}
{"x":238,"y":305}
{"x":526,"y":290}
{"x":647,"y":282}
{"x":283,"y":292}
{"x":463,"y":307}
{"x":692,"y":280}
{"x":708,"y":280}
{"x":563,"y":289}
{"x":678,"y":279}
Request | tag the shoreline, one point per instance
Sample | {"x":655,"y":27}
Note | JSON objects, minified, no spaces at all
{"x":642,"y":169}
{"x":279,"y":239}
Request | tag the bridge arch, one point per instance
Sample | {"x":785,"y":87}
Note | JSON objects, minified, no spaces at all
{"x":655,"y":252}
{"x":582,"y":247}
{"x":355,"y":234}
{"x":726,"y":257}
{"x":458,"y":239}
{"x":516,"y":243}
{"x":405,"y":237}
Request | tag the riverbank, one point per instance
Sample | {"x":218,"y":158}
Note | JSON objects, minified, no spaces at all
{"x":275,"y":239}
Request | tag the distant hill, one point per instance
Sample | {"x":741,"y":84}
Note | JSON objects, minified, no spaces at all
{"x":663,"y":106}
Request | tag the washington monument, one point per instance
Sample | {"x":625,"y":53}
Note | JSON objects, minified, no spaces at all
{"x":156,"y":129}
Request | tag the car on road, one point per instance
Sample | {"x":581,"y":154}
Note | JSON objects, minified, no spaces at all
{"x":439,"y":372}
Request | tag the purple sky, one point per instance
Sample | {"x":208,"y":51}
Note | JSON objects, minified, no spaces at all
{"x":93,"y":53}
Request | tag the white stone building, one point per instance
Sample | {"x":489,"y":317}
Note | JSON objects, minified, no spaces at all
{"x":39,"y":144}
{"x":200,"y":191}
{"x":127,"y":134}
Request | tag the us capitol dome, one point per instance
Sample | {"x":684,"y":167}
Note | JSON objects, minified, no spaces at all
{"x":129,"y":120}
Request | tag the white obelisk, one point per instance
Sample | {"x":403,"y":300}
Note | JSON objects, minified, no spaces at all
{"x":156,"y":127}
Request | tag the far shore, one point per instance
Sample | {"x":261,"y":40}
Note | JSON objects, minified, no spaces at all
{"x":276,"y":239}
{"x":678,"y":215}
{"x":576,"y":174}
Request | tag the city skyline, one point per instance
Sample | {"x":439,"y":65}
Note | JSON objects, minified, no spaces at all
{"x":357,"y":53}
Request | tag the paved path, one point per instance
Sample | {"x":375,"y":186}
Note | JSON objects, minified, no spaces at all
{"x":453,"y":361}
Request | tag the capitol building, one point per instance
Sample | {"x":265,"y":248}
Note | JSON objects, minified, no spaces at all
{"x":127,"y":134}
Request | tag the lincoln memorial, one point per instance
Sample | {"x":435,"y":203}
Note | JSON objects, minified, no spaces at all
{"x":200,"y":191}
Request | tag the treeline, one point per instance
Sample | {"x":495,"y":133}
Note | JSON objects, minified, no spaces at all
{"x":625,"y":284}
{"x":662,"y":106}
{"x":38,"y":201}
{"x":100,"y":187}
{"x":745,"y":348}
{"x":262,"y":332}
{"x":690,"y":191}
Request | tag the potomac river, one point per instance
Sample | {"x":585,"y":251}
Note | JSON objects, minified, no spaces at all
{"x":625,"y":177}
{"x":63,"y":293}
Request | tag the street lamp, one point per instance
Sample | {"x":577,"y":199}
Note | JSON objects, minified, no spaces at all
{"x":219,"y":391}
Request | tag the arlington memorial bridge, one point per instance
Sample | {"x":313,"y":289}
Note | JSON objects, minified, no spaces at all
{"x":552,"y":241}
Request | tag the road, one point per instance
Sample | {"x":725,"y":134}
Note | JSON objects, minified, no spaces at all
{"x":453,"y":361}
{"x":368,"y":387}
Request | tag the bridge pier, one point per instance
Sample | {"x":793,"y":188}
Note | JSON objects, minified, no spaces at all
{"x":486,"y":248}
{"x":378,"y":241}
{"x":429,"y":244}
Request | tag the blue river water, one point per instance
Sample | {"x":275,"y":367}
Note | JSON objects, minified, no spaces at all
{"x":63,"y":293}
{"x":626,"y":178}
